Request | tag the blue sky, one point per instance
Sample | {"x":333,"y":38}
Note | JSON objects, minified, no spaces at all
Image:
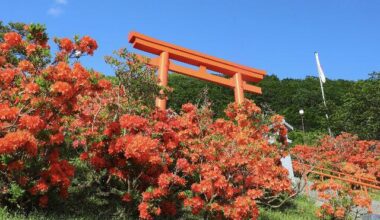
{"x":279,"y":36}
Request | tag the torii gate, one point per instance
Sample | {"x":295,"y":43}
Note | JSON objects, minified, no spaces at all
{"x":239,"y":75}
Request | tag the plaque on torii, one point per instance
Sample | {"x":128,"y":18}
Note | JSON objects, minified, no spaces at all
{"x":239,"y":75}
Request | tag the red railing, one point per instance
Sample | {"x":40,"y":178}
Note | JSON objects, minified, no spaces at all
{"x":363,"y":182}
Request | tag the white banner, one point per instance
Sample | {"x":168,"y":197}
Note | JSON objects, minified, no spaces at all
{"x":320,"y":70}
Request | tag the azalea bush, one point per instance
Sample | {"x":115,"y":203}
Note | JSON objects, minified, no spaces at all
{"x":345,"y":154}
{"x":163,"y":164}
{"x":37,"y":99}
{"x":340,"y":200}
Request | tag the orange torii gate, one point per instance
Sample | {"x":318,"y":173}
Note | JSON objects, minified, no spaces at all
{"x":239,"y":75}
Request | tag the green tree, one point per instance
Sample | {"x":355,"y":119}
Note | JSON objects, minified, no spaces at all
{"x":360,"y":111}
{"x":187,"y":89}
{"x":137,"y":79}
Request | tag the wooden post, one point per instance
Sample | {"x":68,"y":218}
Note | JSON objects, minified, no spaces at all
{"x":238,"y":89}
{"x":163,"y":78}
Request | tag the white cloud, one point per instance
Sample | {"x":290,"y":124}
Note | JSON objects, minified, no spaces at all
{"x":62,"y":2}
{"x":55,"y":11}
{"x":57,"y":8}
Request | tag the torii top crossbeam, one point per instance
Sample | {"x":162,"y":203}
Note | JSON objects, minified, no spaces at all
{"x":240,"y":75}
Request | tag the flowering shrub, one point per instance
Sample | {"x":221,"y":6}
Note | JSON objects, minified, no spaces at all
{"x":345,"y":154}
{"x":166,"y":165}
{"x":37,"y":100}
{"x":340,"y":200}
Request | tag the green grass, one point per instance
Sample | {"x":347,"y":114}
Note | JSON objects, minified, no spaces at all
{"x":375,"y":195}
{"x":38,"y":215}
{"x":302,"y":208}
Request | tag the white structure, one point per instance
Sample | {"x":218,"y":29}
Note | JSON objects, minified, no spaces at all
{"x":286,"y":162}
{"x":272,"y":139}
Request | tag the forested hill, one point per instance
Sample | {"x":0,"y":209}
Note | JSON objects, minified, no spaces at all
{"x":353,"y":106}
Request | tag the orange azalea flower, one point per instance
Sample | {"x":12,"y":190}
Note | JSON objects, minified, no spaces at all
{"x":61,"y":71}
{"x":26,"y":66}
{"x":7,"y":75}
{"x":195,"y":203}
{"x":188,"y":108}
{"x":42,"y":186}
{"x":182,"y":164}
{"x":133,"y":122}
{"x":62,"y":88}
{"x":79,"y":72}
{"x":340,"y":212}
{"x":144,"y":211}
{"x":57,"y":138}
{"x":4,"y":47}
{"x":32,"y":123}
{"x":87,"y":45}
{"x":98,"y":162}
{"x":30,"y":48}
{"x":66,"y":44}
{"x":7,"y":112}
{"x":12,"y":38}
{"x":112,"y":128}
{"x":32,"y":88}
{"x":13,"y":141}
{"x":83,"y":156}
{"x":60,"y":173}
{"x":104,"y":84}
{"x":3,"y":60}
